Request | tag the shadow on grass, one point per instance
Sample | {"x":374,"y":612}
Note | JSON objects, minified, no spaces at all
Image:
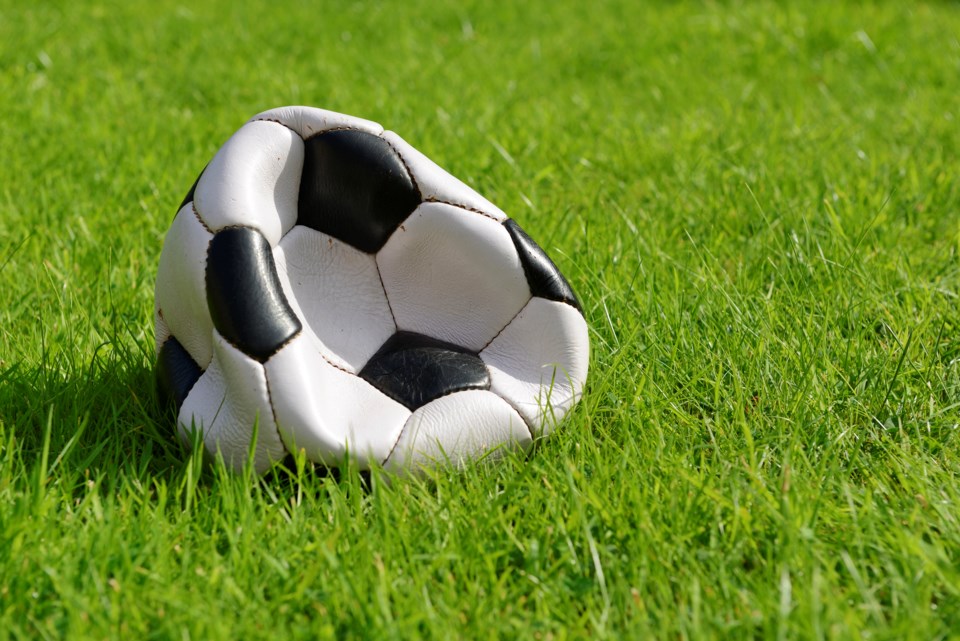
{"x":108,"y":422}
{"x":104,"y":420}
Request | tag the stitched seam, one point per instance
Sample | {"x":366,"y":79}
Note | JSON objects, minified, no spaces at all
{"x":484,"y":387}
{"x":403,"y":162}
{"x":203,"y":370}
{"x":273,"y":411}
{"x":463,"y":207}
{"x":533,"y":437}
{"x":282,"y":124}
{"x":187,"y":395}
{"x":315,"y":133}
{"x":239,"y":226}
{"x":397,"y":442}
{"x":460,"y":389}
{"x":283,"y":297}
{"x":450,"y":393}
{"x":196,"y":212}
{"x":343,"y":128}
{"x":334,"y":365}
{"x":289,"y":339}
{"x":385,"y":294}
{"x":497,"y":335}
{"x":272,"y":353}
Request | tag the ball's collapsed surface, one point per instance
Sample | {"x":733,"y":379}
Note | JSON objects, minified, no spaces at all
{"x":325,"y":286}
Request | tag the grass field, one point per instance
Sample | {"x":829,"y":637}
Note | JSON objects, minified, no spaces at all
{"x":758,"y":205}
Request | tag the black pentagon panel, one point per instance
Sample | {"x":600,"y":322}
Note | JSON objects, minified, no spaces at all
{"x":177,"y":372}
{"x":544,"y":278}
{"x":355,"y":187}
{"x":189,"y":197}
{"x":414,"y":369}
{"x":244,"y":294}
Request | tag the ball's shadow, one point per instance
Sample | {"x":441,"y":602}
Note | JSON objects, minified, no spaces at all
{"x":100,"y":420}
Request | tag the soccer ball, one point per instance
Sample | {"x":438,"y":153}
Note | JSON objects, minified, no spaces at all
{"x":326,"y":287}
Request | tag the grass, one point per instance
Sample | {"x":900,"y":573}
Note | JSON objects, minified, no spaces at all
{"x":758,"y":205}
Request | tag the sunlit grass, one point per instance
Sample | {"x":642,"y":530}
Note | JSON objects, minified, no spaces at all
{"x":758,"y":207}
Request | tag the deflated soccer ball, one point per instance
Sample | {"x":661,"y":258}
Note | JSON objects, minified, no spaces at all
{"x":326,"y":287}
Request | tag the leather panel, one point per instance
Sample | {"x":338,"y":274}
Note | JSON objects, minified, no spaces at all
{"x":452,"y":274}
{"x":226,"y":402}
{"x":160,"y":330}
{"x":329,"y":412}
{"x":415,"y":369}
{"x":310,"y":121}
{"x":181,"y":289}
{"x":435,"y":183}
{"x":458,"y":428}
{"x":244,"y":293}
{"x":545,"y":279}
{"x":539,"y":362}
{"x":335,"y":290}
{"x":354,"y":188}
{"x":176,"y":372}
{"x":253,"y":181}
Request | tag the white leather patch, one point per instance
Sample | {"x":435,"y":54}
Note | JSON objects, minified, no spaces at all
{"x":328,"y":412}
{"x":253,"y":181}
{"x":310,"y":121}
{"x":457,"y":428}
{"x":539,"y":362}
{"x":335,"y":290}
{"x":452,"y":274}
{"x":436,"y":184}
{"x":226,"y":402}
{"x":160,"y":330}
{"x":181,"y":285}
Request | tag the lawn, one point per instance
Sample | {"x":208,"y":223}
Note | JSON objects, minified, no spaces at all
{"x":758,"y":205}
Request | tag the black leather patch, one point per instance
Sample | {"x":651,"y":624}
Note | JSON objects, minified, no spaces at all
{"x":414,"y":369}
{"x":544,"y":278}
{"x":177,"y":372}
{"x":189,"y":197}
{"x":355,"y":187}
{"x":244,"y":294}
